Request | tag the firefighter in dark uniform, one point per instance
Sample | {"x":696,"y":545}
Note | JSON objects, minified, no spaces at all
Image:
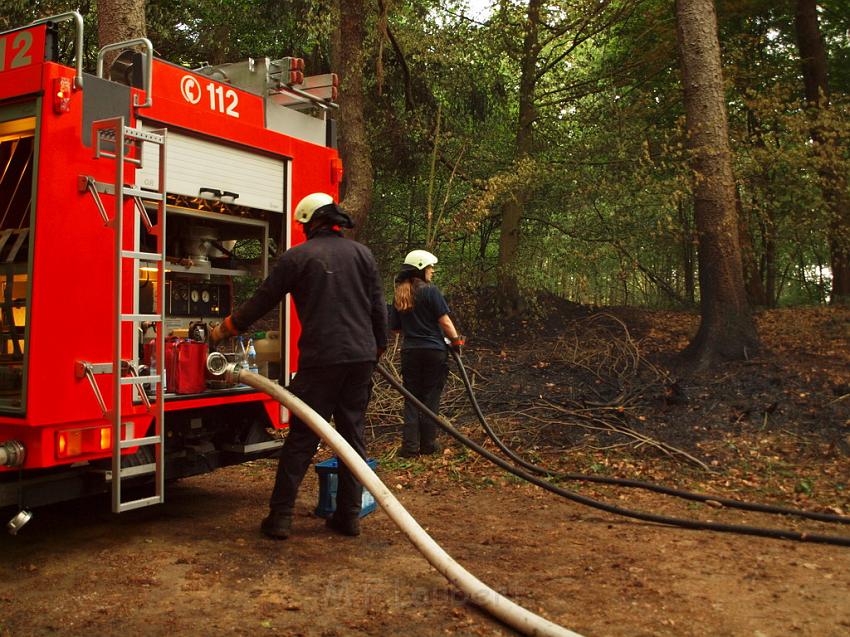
{"x":340,"y":302}
{"x":419,"y":311}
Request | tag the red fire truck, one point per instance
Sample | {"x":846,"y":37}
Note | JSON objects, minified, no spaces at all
{"x":128,"y":202}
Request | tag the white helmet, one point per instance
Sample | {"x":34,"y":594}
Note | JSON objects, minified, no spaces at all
{"x":310,"y":204}
{"x":420,"y":259}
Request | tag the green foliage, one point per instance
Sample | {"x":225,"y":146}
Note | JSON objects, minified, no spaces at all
{"x":244,"y":287}
{"x":196,"y":32}
{"x":608,"y":207}
{"x":804,"y":486}
{"x":607,"y":196}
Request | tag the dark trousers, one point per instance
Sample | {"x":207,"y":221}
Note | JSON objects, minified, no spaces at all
{"x":341,"y":391}
{"x":424,"y":372}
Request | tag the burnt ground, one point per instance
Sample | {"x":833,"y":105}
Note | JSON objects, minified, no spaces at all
{"x":579,"y":390}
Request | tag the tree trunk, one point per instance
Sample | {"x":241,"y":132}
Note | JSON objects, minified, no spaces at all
{"x":354,"y":147}
{"x":117,"y":21}
{"x":727,"y":329}
{"x":771,"y":290}
{"x":766,"y":266}
{"x":688,"y":278}
{"x":816,"y":85}
{"x":812,"y":53}
{"x":753,"y":282}
{"x":509,"y":237}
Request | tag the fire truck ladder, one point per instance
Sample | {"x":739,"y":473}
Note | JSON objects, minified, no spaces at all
{"x":113,"y":140}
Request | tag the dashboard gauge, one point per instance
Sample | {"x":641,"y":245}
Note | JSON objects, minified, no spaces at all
{"x":195,"y":296}
{"x":184,"y":294}
{"x":205,"y":296}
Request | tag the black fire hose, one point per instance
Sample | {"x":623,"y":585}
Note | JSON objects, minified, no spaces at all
{"x":637,"y":484}
{"x":596,"y":504}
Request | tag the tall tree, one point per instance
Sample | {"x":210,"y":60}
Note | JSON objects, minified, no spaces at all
{"x":550,"y":34}
{"x":727,"y":329}
{"x":119,"y":20}
{"x":354,"y":145}
{"x":816,"y":86}
{"x":512,"y":210}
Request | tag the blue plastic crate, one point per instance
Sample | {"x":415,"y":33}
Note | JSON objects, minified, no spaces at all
{"x":328,"y":484}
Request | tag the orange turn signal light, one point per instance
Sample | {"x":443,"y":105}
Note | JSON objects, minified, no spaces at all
{"x":76,"y":442}
{"x":69,"y":443}
{"x":105,"y":438}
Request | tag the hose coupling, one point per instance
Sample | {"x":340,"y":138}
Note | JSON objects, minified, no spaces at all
{"x":219,"y":368}
{"x":12,"y":453}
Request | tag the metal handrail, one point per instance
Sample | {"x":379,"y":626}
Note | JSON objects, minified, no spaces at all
{"x":129,"y":44}
{"x":307,"y":97}
{"x":78,"y":40}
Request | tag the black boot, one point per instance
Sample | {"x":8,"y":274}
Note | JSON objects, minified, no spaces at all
{"x":431,"y":449}
{"x":344,"y":525}
{"x":277,"y":525}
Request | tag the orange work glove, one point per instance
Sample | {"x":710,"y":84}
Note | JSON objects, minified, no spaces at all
{"x":223,"y":330}
{"x":456,"y":343}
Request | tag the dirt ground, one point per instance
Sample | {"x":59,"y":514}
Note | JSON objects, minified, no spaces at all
{"x":774,"y":429}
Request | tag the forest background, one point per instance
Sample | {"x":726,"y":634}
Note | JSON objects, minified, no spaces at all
{"x":547,"y":149}
{"x":685,"y":159}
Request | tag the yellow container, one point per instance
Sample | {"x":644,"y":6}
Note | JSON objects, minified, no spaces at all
{"x":268,"y":348}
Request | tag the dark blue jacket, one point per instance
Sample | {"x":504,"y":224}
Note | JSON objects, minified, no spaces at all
{"x":338,"y":296}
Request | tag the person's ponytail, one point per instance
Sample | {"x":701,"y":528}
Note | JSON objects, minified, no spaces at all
{"x":404,"y":294}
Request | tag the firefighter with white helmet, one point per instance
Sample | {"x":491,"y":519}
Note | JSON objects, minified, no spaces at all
{"x":420,"y":259}
{"x":420,"y":312}
{"x":340,"y":302}
{"x":310,"y":205}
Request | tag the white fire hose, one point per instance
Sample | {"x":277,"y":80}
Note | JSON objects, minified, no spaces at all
{"x":478,"y":593}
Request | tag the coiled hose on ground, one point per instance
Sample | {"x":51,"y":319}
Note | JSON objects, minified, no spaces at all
{"x":596,"y":504}
{"x":479,"y":593}
{"x":637,"y":484}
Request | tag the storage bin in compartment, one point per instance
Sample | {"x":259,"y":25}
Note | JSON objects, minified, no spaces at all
{"x":328,"y":484}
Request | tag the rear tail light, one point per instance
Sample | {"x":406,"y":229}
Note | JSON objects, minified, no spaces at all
{"x":69,"y":443}
{"x":105,"y":438}
{"x":77,"y":442}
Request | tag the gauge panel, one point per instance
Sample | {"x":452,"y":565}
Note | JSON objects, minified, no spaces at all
{"x":209,"y":299}
{"x":178,"y":298}
{"x":198,"y":300}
